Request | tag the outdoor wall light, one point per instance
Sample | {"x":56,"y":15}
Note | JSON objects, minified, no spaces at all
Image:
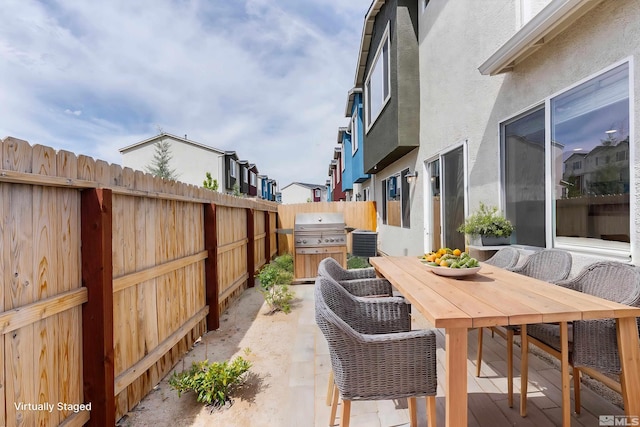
{"x":412,"y":176}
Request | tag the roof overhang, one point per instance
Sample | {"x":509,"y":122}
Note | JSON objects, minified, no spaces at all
{"x":351,"y":96}
{"x":341,"y":131}
{"x":556,"y":17}
{"x":365,"y":41}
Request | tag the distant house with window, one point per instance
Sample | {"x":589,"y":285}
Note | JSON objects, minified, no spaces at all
{"x":527,"y":105}
{"x":253,"y":180}
{"x":190,"y":159}
{"x":231,"y":171}
{"x":300,"y":192}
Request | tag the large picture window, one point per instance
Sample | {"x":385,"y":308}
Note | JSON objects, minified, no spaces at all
{"x":586,"y":158}
{"x":377,"y":91}
{"x":590,"y":135}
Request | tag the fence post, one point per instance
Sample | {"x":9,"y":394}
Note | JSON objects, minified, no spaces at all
{"x":267,"y":240}
{"x":211,"y":266}
{"x":97,"y":312}
{"x":251,"y":244}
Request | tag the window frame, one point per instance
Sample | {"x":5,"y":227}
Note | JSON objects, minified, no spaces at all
{"x":369,"y":118}
{"x":232,"y":168}
{"x":551,"y":237}
{"x":245,"y":175}
{"x":355,"y":130}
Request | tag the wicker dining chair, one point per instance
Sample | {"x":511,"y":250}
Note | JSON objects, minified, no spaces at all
{"x":506,"y":257}
{"x":378,"y":365}
{"x":550,"y":265}
{"x":593,"y":344}
{"x":358,"y":281}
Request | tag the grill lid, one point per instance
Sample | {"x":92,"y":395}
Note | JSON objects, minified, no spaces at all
{"x":317,"y":221}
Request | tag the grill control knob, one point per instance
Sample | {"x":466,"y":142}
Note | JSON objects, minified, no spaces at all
{"x":304,"y":241}
{"x":331,"y":240}
{"x":319,"y":240}
{"x":298,"y":241}
{"x":326,"y":240}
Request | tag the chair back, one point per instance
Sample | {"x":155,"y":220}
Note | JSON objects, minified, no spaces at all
{"x":611,"y":280}
{"x":329,"y":267}
{"x":365,"y":315}
{"x":550,"y":265}
{"x":506,"y":257}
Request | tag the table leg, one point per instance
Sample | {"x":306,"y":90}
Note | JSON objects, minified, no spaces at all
{"x":629,"y":349}
{"x":456,"y":376}
{"x":524,"y":369}
{"x":564,"y":372}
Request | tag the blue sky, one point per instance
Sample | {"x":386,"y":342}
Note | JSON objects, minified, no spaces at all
{"x":266,"y":78}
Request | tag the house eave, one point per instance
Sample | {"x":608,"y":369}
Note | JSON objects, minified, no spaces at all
{"x":556,"y":17}
{"x":365,"y":40}
{"x":351,"y":96}
{"x":177,"y":138}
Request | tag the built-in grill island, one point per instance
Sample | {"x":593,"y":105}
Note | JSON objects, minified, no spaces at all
{"x":317,"y":236}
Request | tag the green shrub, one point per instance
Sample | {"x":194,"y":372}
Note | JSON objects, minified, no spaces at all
{"x":275,"y":279}
{"x":357,"y":262}
{"x":212,"y":382}
{"x":284,"y":262}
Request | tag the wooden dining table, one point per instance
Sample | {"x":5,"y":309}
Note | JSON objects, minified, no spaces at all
{"x":497,"y":297}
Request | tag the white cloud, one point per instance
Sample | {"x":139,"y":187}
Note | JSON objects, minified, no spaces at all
{"x":266,"y":79}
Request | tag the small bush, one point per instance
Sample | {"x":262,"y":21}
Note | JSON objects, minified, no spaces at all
{"x":357,"y":262}
{"x":212,"y":382}
{"x":284,"y":262}
{"x":275,"y":279}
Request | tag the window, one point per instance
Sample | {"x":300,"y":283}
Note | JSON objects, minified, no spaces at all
{"x":316,"y":193}
{"x":592,"y":119}
{"x":377,"y":85}
{"x":232,"y":168}
{"x":245,"y":175}
{"x":396,"y":200}
{"x":587,"y":160}
{"x":355,"y":133}
{"x":342,"y":162}
{"x":384,"y":201}
{"x":253,"y":178}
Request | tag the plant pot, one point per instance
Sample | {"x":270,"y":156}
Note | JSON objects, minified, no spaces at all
{"x":495,"y":241}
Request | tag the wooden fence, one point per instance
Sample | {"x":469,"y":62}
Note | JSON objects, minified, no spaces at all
{"x":109,"y":276}
{"x":360,"y":215}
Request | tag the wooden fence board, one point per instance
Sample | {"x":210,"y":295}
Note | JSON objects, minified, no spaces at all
{"x":69,"y":278}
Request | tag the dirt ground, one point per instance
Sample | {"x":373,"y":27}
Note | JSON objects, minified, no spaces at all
{"x":260,"y":402}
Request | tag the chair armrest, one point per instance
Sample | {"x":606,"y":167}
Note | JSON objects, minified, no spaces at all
{"x":386,"y":366}
{"x":368,"y":287}
{"x":595,"y":345}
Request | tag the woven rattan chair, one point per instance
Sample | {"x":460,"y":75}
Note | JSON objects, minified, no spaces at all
{"x":592,"y":344}
{"x":550,"y":265}
{"x":506,"y":257}
{"x":378,"y":365}
{"x":358,"y":281}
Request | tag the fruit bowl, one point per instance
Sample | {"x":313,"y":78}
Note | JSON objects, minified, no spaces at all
{"x":453,"y":272}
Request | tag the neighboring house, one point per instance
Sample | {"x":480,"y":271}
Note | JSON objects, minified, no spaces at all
{"x":344,"y":144}
{"x":243,"y":176}
{"x":329,"y":195}
{"x":335,"y":175}
{"x":253,"y":180}
{"x":231,"y":171}
{"x":299,"y":192}
{"x":268,"y":188}
{"x":191,"y":160}
{"x":499,"y":102}
{"x":353,"y":144}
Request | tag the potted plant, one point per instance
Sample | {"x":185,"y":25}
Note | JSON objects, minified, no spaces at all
{"x":486,"y":223}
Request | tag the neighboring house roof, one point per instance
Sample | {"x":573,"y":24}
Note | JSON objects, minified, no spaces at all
{"x":337,"y":152}
{"x":303,"y":184}
{"x":231,"y":154}
{"x":350,"y":99}
{"x":365,"y":41}
{"x":177,"y":138}
{"x":341,"y":131}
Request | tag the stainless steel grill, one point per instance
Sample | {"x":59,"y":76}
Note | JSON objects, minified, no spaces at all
{"x":317,"y":236}
{"x":314,"y":230}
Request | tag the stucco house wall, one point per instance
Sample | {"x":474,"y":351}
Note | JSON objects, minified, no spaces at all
{"x":459,"y":105}
{"x":295,"y":193}
{"x":191,"y":160}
